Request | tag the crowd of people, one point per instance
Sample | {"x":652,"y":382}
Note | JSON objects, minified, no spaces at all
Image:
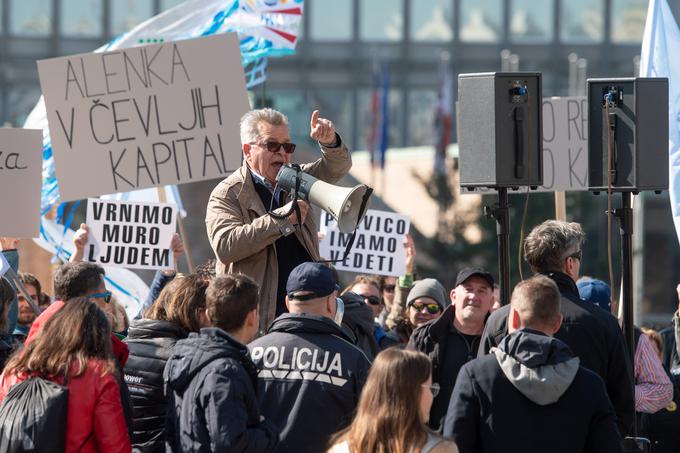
{"x":261,"y":350}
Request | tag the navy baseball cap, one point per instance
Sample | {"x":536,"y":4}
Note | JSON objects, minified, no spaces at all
{"x":595,"y":291}
{"x":468,"y":272}
{"x":311,"y":277}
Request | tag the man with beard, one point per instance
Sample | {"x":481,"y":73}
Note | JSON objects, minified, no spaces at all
{"x":26,"y":313}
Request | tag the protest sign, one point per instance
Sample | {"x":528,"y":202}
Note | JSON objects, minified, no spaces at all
{"x":20,"y":182}
{"x":145,"y":116}
{"x":130,"y":234}
{"x":378,"y":246}
{"x":565,"y":146}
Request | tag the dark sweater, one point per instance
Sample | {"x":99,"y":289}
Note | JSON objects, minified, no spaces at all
{"x":289,"y":251}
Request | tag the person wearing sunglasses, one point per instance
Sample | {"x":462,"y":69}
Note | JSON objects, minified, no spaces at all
{"x":85,"y":280}
{"x":394,"y":407}
{"x":554,"y":249}
{"x":243,"y":234}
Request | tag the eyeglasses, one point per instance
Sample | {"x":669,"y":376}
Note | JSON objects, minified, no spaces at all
{"x":106,"y":297}
{"x":389,"y":288}
{"x":576,"y":255}
{"x":432,"y":308}
{"x":274,"y":147}
{"x":373,"y":300}
{"x":434,"y":388}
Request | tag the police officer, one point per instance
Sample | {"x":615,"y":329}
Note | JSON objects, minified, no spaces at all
{"x":310,"y":375}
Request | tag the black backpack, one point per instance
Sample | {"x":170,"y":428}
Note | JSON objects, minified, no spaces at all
{"x":33,"y":417}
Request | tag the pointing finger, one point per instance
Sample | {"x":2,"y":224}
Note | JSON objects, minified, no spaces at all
{"x":315,"y":119}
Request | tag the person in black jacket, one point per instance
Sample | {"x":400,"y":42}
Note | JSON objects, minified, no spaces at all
{"x":151,"y":340}
{"x":310,"y":374}
{"x":211,"y":380}
{"x":453,"y":339}
{"x":530,"y":394}
{"x":7,"y":341}
{"x":553,"y":248}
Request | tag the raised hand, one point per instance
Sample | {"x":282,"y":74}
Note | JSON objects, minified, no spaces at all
{"x":322,"y":130}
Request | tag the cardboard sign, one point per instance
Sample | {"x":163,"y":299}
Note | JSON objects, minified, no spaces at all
{"x":145,"y":116}
{"x":565,"y":146}
{"x":129,"y":234}
{"x":20,"y":182}
{"x":378,"y":246}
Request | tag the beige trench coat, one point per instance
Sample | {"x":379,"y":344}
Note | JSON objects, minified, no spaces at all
{"x":242,"y":234}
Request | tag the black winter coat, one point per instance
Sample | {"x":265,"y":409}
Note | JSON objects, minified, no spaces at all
{"x":532,"y":396}
{"x":432,"y":339}
{"x":150,"y":343}
{"x":310,"y":378}
{"x":593,"y":335}
{"x":212,"y":404}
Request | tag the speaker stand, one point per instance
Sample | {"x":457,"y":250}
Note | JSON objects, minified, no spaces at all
{"x":500,"y":212}
{"x":624,"y":215}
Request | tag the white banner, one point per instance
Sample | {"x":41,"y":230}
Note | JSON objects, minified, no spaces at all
{"x":20,"y":182}
{"x":378,"y":247}
{"x":130,"y":234}
{"x":145,"y":116}
{"x":565,"y":146}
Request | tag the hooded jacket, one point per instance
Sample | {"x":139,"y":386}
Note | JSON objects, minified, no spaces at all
{"x":593,"y":335}
{"x":524,"y":394}
{"x":151,"y":343}
{"x":434,"y":339}
{"x":359,"y":325}
{"x":310,"y":378}
{"x":212,"y":405}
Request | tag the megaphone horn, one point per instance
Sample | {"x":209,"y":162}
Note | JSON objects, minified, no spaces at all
{"x":343,"y":203}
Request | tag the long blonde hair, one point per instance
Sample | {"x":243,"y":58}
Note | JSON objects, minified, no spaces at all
{"x":388,"y":418}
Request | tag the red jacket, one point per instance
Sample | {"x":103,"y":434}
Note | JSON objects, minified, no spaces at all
{"x":120,"y":349}
{"x":95,"y":421}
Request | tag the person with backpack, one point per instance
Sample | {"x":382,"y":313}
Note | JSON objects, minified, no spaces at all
{"x":73,"y":351}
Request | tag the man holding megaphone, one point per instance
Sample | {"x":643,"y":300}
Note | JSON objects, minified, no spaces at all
{"x":244,"y":234}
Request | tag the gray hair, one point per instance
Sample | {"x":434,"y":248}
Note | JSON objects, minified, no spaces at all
{"x":537,"y":301}
{"x":250,"y":120}
{"x":550,"y":243}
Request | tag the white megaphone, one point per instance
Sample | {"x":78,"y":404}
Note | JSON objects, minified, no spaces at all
{"x":343,"y":203}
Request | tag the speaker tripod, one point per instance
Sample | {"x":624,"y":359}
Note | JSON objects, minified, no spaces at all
{"x":500,"y":212}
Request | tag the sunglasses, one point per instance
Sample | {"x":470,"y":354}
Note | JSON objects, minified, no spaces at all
{"x":576,"y":255}
{"x":432,"y":308}
{"x":106,"y":297}
{"x":373,"y":300}
{"x":274,"y":147}
{"x":434,"y":388}
{"x":389,"y":288}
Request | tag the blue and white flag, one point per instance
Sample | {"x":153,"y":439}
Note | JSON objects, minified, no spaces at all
{"x":660,"y":57}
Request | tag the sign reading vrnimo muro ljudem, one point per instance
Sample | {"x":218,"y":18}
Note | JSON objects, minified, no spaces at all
{"x":145,"y":116}
{"x":130,"y":234}
{"x":378,"y":247}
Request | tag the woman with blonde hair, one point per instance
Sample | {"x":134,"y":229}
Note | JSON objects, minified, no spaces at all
{"x":394,"y":408}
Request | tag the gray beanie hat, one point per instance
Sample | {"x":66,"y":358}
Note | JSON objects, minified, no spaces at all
{"x":428,"y":287}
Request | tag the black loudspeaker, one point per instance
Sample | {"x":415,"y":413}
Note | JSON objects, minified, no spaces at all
{"x":634,"y":113}
{"x":500,"y":137}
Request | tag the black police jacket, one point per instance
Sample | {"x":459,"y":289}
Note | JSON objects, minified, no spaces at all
{"x":150,"y":343}
{"x":310,"y":377}
{"x":593,"y":335}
